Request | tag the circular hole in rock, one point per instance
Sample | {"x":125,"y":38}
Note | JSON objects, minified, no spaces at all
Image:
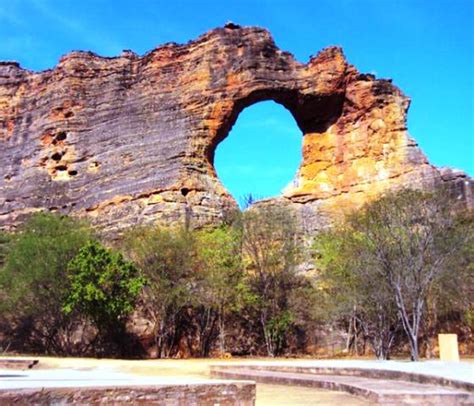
{"x":261,"y":154}
{"x":184,"y":191}
{"x":56,"y":156}
{"x":72,"y":173}
{"x":61,"y":136}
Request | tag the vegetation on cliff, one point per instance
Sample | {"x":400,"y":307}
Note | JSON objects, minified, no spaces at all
{"x":103,"y":287}
{"x":386,"y":276}
{"x":33,"y":281}
{"x":385,"y":265}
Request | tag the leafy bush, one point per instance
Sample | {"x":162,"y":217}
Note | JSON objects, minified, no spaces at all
{"x":5,"y":240}
{"x":33,"y":280}
{"x":221,"y":287}
{"x":166,"y":257}
{"x":389,"y":256}
{"x":103,"y":286}
{"x":271,"y":253}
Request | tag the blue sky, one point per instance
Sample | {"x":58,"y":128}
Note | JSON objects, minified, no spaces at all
{"x":262,"y":153}
{"x":425,"y":46}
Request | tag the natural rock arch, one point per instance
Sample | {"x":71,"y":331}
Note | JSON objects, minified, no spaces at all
{"x":138,"y":131}
{"x":263,"y":135}
{"x":312,"y":114}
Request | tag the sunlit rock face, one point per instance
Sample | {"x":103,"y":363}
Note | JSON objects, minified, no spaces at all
{"x":131,"y":140}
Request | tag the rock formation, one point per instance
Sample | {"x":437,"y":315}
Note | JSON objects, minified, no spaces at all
{"x":131,"y":139}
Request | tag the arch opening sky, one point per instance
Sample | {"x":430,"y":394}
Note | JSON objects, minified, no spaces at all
{"x":426,"y":47}
{"x":241,"y":160}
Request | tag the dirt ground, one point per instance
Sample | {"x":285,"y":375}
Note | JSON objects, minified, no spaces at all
{"x":278,"y":395}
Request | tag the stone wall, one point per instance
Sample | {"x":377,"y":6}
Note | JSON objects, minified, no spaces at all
{"x":223,"y":394}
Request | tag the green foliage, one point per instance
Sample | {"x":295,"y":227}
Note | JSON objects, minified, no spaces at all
{"x":276,"y":328}
{"x":33,"y":280}
{"x":103,"y":286}
{"x":5,"y":240}
{"x":34,"y":275}
{"x":271,"y":254}
{"x":403,"y":257}
{"x":469,"y":318}
{"x":270,"y":241}
{"x":338,"y":282}
{"x":354,"y":292}
{"x":199,"y":270}
{"x":166,"y":257}
{"x":221,"y":287}
{"x":451,"y":298}
{"x":387,"y":257}
{"x":219,"y":257}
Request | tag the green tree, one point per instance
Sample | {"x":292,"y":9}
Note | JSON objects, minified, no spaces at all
{"x":33,"y":280}
{"x":221,"y":288}
{"x":450,"y":301}
{"x":166,"y":258}
{"x":271,"y":253}
{"x":103,"y":287}
{"x":354,"y":293}
{"x":406,"y":243}
{"x":5,"y":240}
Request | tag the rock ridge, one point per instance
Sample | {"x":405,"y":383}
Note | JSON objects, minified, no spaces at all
{"x":130,"y":139}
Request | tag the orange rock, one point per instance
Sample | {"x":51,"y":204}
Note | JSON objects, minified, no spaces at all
{"x":132,"y":139}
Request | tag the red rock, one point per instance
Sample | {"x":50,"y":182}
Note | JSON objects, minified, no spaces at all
{"x":131,"y":139}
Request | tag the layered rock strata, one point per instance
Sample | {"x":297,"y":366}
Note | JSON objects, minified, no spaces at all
{"x":131,"y":139}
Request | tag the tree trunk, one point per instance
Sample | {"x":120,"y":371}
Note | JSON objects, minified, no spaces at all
{"x":410,"y":330}
{"x":221,"y":332}
{"x":267,"y":337}
{"x":414,"y":348}
{"x":349,"y":335}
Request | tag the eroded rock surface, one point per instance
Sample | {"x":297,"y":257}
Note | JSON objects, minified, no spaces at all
{"x":131,"y":139}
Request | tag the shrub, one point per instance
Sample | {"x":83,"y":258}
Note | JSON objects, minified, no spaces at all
{"x":33,"y":280}
{"x":166,"y":258}
{"x":103,"y":287}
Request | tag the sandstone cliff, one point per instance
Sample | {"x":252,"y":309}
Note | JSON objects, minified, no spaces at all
{"x":131,"y":139}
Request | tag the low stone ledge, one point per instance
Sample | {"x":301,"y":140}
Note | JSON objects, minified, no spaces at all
{"x":373,"y":373}
{"x":375,"y":391}
{"x":222,"y":393}
{"x":14,"y":363}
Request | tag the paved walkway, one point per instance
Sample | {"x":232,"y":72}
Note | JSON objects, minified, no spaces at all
{"x":62,"y":378}
{"x":460,"y":371}
{"x":79,"y":372}
{"x":105,"y":386}
{"x":379,"y":391}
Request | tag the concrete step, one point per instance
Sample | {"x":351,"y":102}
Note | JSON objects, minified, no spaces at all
{"x":376,"y":391}
{"x":375,"y":373}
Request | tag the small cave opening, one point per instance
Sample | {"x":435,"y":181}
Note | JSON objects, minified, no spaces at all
{"x":60,"y":136}
{"x":56,"y":156}
{"x":184,"y":191}
{"x":260,"y":156}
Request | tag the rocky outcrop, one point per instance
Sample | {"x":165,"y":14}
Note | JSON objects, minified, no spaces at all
{"x":131,"y":139}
